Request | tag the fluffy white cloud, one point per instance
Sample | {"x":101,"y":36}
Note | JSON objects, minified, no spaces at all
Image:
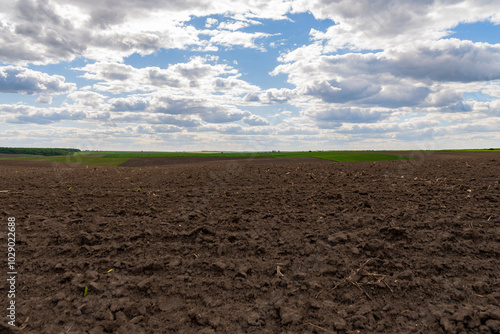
{"x":50,"y":31}
{"x":255,"y":120}
{"x":198,"y":74}
{"x":28,"y":114}
{"x":15,"y":79}
{"x":167,"y":106}
{"x":87,"y":98}
{"x":332,"y":117}
{"x":237,"y":38}
{"x":492,"y":89}
{"x":44,"y":99}
{"x":271,"y":96}
{"x":434,"y":75}
{"x":372,"y":25}
{"x":210,"y":22}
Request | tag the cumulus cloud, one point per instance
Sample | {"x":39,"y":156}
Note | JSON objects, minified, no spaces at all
{"x":350,"y":115}
{"x":183,"y":111}
{"x":165,"y":128}
{"x":448,"y":60}
{"x":38,"y":32}
{"x":221,"y":114}
{"x":492,"y":89}
{"x":29,"y":114}
{"x":237,"y":38}
{"x":15,"y":79}
{"x":271,"y":96}
{"x":372,"y":25}
{"x":233,"y":25}
{"x":87,"y":98}
{"x":44,"y":99}
{"x":444,"y":60}
{"x":45,"y":31}
{"x":236,"y":130}
{"x":420,"y":75}
{"x":129,"y":104}
{"x":50,"y":31}
{"x":255,"y":120}
{"x":210,"y":22}
{"x":198,"y":73}
{"x":340,"y":92}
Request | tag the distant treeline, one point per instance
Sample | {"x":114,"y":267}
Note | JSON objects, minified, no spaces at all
{"x":38,"y":151}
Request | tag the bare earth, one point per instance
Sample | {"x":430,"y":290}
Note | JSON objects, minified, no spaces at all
{"x":256,"y":246}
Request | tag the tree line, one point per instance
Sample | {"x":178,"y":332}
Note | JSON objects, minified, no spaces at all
{"x":38,"y":151}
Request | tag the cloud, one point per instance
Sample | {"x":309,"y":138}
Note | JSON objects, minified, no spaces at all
{"x":21,"y":80}
{"x":372,"y":25}
{"x":237,"y":38}
{"x":165,"y":128}
{"x":444,"y":60}
{"x":37,"y":32}
{"x":448,"y":60}
{"x":180,"y":121}
{"x":237,"y":130}
{"x":152,"y":118}
{"x":399,"y":95}
{"x":165,"y":107}
{"x":180,"y":78}
{"x":271,"y":96}
{"x":255,"y":120}
{"x":233,"y":25}
{"x":50,"y":31}
{"x":44,"y":99}
{"x":281,"y":96}
{"x":210,"y":22}
{"x":221,"y":114}
{"x":87,"y":98}
{"x":340,"y":92}
{"x":47,"y":31}
{"x":29,"y":114}
{"x":128,"y":104}
{"x":418,"y":75}
{"x":458,"y":107}
{"x":348,"y":115}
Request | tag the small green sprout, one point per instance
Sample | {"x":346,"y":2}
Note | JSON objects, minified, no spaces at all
{"x":139,"y":189}
{"x":85,"y":292}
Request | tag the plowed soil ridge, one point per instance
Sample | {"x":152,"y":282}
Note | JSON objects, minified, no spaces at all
{"x":257,"y":247}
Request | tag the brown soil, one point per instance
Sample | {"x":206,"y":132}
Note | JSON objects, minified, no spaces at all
{"x":256,"y":246}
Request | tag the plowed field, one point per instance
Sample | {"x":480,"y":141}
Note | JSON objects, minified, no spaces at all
{"x":255,"y":246}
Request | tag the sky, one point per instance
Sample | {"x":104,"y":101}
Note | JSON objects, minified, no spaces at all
{"x":253,"y":75}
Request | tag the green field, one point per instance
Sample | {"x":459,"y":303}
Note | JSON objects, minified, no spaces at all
{"x":115,"y":158}
{"x":327,"y":155}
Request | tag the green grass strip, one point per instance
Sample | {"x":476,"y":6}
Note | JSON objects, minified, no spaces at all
{"x":115,"y":159}
{"x":327,"y":155}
